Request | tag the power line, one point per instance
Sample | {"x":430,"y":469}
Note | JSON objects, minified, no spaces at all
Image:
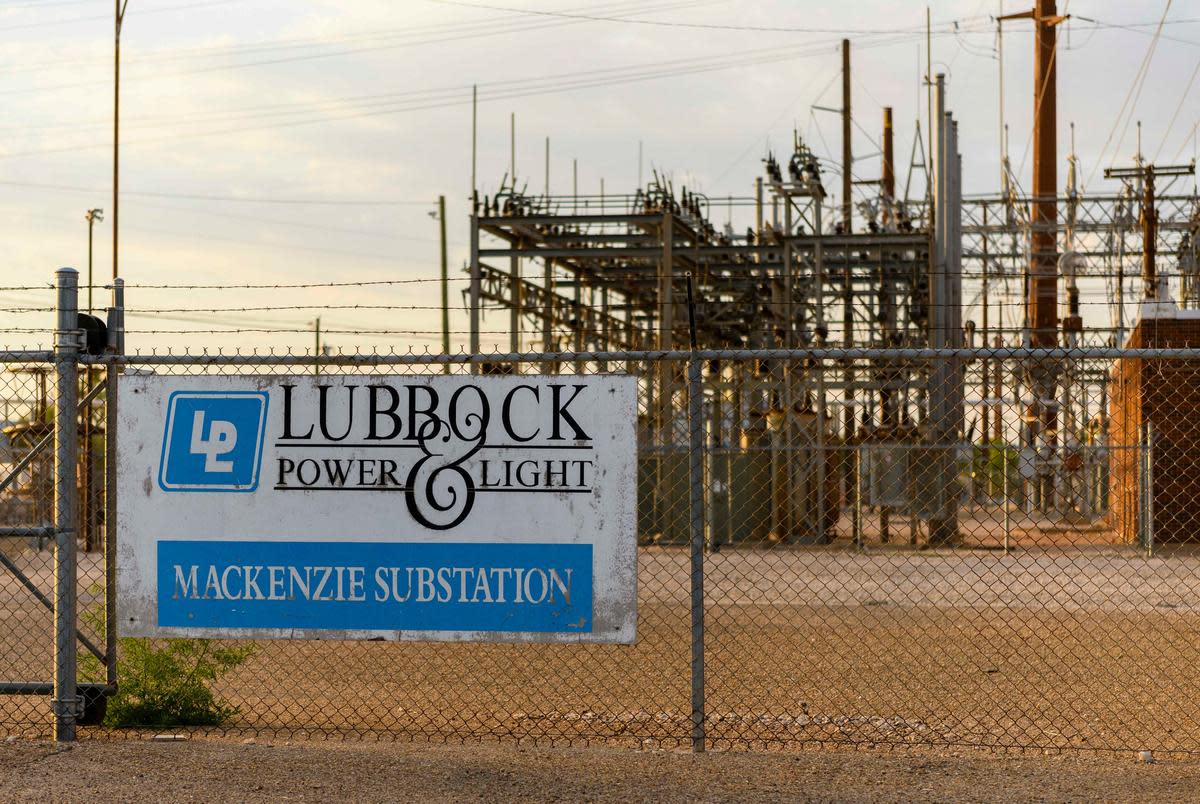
{"x":275,"y":286}
{"x":1134,"y":89}
{"x":1141,"y":83}
{"x":95,"y":18}
{"x":562,"y":84}
{"x":674,"y":24}
{"x":226,"y":198}
{"x":269,"y":45}
{"x":452,"y":36}
{"x":1182,"y":98}
{"x":266,"y":308}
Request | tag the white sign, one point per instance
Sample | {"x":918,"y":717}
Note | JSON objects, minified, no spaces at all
{"x":406,"y":507}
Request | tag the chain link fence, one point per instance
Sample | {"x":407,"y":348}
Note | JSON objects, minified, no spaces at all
{"x":870,"y":547}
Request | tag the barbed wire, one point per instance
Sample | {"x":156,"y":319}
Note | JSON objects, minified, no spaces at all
{"x":286,"y":307}
{"x":286,"y":285}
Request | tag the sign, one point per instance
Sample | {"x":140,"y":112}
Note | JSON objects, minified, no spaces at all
{"x":356,"y":507}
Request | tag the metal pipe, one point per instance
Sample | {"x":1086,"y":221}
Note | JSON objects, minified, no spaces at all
{"x":696,"y":499}
{"x":475,"y":287}
{"x":45,"y":441}
{"x":445,"y":277}
{"x":46,"y":602}
{"x":18,"y":532}
{"x":66,"y":447}
{"x":813,"y":353}
{"x":1149,"y":237}
{"x":112,"y":383}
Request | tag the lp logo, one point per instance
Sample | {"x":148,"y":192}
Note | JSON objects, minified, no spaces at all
{"x":222,"y":438}
{"x":213,"y":441}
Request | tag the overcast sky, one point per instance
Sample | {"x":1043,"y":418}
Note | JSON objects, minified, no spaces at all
{"x":365,"y":104}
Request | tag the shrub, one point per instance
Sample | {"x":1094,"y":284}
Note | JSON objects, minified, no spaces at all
{"x":167,"y":682}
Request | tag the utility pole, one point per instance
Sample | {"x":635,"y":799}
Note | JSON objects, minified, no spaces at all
{"x":1042,"y":293}
{"x":445,"y":283}
{"x":888,"y":178}
{"x":847,"y":155}
{"x":1145,"y":174}
{"x":92,"y":216}
{"x":1041,"y":302}
{"x":119,"y":19}
{"x":1043,"y":290}
{"x":848,"y":424}
{"x":1149,"y":237}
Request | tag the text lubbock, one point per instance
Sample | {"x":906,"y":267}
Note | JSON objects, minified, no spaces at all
{"x":377,"y":413}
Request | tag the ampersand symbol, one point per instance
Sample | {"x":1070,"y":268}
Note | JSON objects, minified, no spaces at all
{"x":439,"y":492}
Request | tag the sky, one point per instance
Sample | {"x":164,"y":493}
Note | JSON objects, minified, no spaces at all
{"x":284,"y":142}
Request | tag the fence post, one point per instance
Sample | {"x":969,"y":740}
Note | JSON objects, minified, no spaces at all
{"x":116,"y":342}
{"x":1148,"y":487}
{"x":696,"y":486}
{"x":66,"y":446}
{"x":857,"y":519}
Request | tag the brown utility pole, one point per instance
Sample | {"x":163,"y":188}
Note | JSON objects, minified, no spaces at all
{"x":847,"y":156}
{"x":1043,"y":285}
{"x":1042,"y":299}
{"x":888,"y":182}
{"x":1041,"y":302}
{"x":1149,"y":216}
{"x":118,"y":19}
{"x":1149,"y":236}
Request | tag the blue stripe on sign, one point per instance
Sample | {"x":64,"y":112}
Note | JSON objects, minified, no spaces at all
{"x":375,"y":586}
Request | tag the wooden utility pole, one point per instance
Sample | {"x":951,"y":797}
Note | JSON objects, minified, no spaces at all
{"x":1043,"y":285}
{"x":1146,"y":174}
{"x":847,"y":155}
{"x":1149,"y":236}
{"x":888,"y":181}
{"x":1042,"y":299}
{"x":119,"y":18}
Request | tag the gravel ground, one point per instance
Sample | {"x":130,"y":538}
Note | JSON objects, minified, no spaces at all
{"x":1084,"y":648}
{"x":223,"y":771}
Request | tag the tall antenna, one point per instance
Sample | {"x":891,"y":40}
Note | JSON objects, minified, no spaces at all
{"x":1002,"y":129}
{"x":474,"y":142}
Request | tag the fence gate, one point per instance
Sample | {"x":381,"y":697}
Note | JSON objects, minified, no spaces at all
{"x":56,"y":530}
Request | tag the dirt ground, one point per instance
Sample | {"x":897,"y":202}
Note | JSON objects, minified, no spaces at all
{"x":1087,"y":648}
{"x":195,"y":770}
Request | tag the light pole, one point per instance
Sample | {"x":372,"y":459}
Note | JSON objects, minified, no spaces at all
{"x":440,"y":216}
{"x":118,"y":20}
{"x":92,"y":216}
{"x":87,"y":510}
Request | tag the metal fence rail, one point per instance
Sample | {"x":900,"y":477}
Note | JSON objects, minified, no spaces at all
{"x":820,"y":559}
